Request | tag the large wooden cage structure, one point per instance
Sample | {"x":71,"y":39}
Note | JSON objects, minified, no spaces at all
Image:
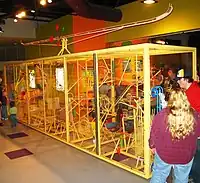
{"x":98,"y":101}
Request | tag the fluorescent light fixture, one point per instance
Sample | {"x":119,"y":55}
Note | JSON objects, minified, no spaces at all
{"x":149,"y":1}
{"x":32,"y":11}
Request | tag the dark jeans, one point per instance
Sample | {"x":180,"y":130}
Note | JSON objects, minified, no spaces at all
{"x":13,"y":119}
{"x":4,"y":113}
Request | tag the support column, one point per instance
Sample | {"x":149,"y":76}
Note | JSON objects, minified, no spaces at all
{"x":147,"y":109}
{"x":66,"y":101}
{"x":97,"y":104}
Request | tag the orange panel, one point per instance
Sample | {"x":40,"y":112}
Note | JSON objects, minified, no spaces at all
{"x":81,"y":24}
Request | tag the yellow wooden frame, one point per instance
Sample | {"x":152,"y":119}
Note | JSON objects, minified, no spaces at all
{"x":65,"y":127}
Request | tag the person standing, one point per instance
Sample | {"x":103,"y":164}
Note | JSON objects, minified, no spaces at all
{"x":192,"y":90}
{"x":173,"y":137}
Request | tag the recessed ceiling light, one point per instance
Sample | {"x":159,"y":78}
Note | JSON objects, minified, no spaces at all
{"x":149,"y":1}
{"x":43,"y":2}
{"x":32,"y":11}
{"x":50,"y":1}
{"x":15,"y":20}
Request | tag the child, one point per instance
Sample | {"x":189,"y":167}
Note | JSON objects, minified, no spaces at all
{"x":13,"y":113}
{"x":4,"y":113}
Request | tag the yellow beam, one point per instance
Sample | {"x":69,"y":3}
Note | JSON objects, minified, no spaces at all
{"x":147,"y":110}
{"x":118,"y":51}
{"x":66,"y":100}
{"x":28,"y":93}
{"x":97,"y":104}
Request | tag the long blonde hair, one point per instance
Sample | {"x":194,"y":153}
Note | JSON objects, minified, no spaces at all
{"x":181,"y":116}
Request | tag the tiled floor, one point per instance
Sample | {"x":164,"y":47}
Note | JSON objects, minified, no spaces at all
{"x":54,"y":162}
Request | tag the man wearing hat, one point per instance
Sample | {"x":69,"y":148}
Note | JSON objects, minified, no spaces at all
{"x":191,"y":87}
{"x":192,"y":90}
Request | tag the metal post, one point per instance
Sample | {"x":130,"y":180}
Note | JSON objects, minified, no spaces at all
{"x":147,"y":109}
{"x":97,"y":109}
{"x":66,"y":101}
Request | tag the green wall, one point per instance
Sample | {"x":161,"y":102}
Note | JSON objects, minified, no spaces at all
{"x":45,"y":31}
{"x":32,"y":52}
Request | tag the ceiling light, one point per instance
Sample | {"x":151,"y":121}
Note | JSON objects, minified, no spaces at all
{"x":1,"y":30}
{"x":15,"y":20}
{"x":43,"y":2}
{"x":32,"y":11}
{"x":50,"y":1}
{"x":21,"y":14}
{"x":161,"y":42}
{"x":149,"y":1}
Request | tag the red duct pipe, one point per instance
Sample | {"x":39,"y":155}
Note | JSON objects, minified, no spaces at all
{"x":85,"y":9}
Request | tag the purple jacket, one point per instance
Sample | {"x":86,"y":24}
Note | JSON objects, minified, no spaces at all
{"x":172,"y":151}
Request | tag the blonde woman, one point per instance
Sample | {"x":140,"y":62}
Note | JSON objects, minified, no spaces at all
{"x":173,"y":136}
